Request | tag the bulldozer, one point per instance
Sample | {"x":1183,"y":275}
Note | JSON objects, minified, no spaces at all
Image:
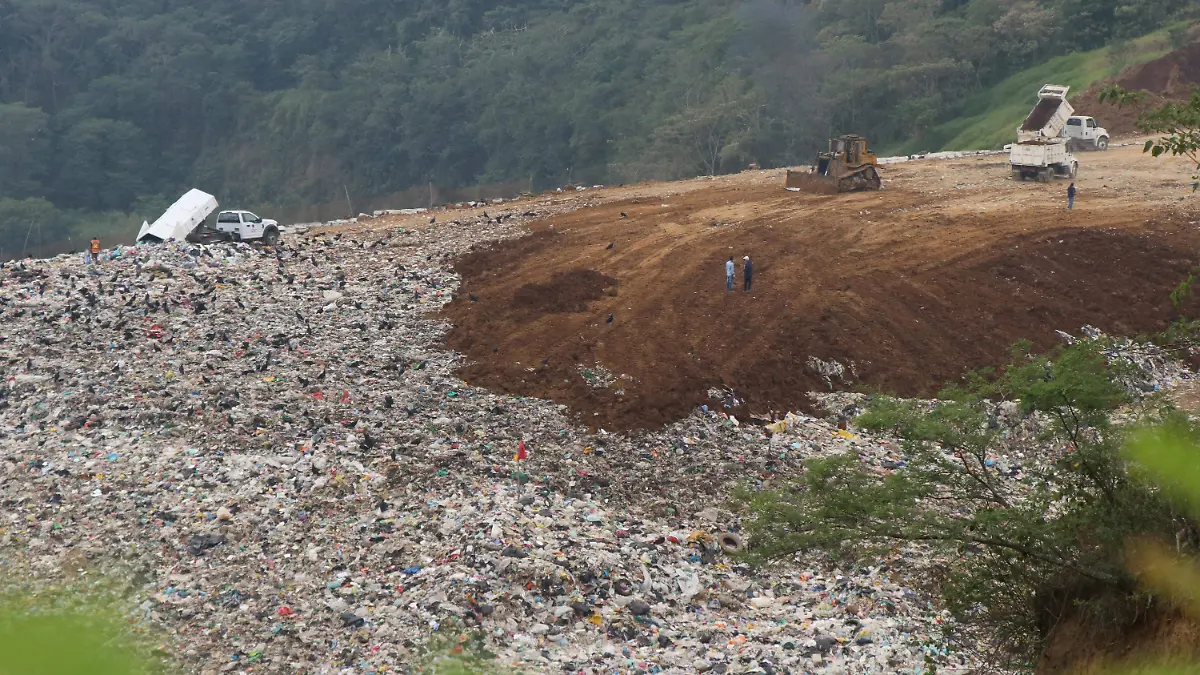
{"x":847,"y":167}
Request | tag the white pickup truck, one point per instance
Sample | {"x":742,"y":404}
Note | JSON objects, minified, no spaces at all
{"x":245,"y":226}
{"x":1083,"y":133}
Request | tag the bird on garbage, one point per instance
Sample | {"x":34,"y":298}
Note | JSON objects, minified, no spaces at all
{"x":610,"y":245}
{"x":472,"y":298}
{"x":610,"y":319}
{"x":624,"y":215}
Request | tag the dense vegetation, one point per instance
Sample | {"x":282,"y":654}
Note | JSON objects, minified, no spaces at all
{"x":117,"y":105}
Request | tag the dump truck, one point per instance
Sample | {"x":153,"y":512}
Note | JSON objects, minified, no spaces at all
{"x":847,"y":167}
{"x":186,"y":220}
{"x":1041,"y":150}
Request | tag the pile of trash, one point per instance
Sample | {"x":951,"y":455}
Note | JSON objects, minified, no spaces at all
{"x":275,"y":445}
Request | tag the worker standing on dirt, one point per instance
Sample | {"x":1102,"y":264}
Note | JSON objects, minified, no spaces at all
{"x":748,"y":273}
{"x":1071,"y":196}
{"x":729,"y":274}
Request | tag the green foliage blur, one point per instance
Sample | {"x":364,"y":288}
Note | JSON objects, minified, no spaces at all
{"x":61,"y":632}
{"x":84,"y":626}
{"x":112,"y":106}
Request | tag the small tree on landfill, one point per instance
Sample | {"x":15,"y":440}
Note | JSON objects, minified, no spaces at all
{"x":1017,"y":550}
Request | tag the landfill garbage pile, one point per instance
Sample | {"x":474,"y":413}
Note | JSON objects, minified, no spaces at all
{"x":276,"y":445}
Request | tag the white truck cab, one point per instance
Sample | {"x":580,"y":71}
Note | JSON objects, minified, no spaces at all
{"x":244,"y":225}
{"x":1084,"y":133}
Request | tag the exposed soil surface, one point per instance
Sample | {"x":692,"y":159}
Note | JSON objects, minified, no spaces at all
{"x":1082,"y":645}
{"x":1162,"y":80}
{"x":907,"y":288}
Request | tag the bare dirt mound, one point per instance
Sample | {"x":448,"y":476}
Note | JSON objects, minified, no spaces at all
{"x":1079,"y":644}
{"x":569,"y":291}
{"x":1172,"y":75}
{"x":905,"y":288}
{"x":1166,"y":79}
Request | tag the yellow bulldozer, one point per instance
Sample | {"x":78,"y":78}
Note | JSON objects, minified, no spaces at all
{"x":847,"y":167}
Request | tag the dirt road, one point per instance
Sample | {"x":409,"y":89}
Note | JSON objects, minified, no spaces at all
{"x":906,"y":288}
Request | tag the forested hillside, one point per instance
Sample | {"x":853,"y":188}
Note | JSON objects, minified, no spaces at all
{"x":120,"y":105}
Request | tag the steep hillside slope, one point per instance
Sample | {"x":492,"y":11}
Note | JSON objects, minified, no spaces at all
{"x":990,"y":117}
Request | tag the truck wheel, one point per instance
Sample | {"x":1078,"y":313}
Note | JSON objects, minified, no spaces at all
{"x":1102,"y":143}
{"x":1044,"y":175}
{"x":271,"y":236}
{"x":1018,"y":174}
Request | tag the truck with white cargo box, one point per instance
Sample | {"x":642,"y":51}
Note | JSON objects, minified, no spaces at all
{"x":1041,"y":150}
{"x":185,"y":220}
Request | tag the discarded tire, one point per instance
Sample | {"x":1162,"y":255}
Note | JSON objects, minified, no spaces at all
{"x":731,"y":543}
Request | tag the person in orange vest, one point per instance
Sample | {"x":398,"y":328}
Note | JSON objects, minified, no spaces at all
{"x":95,"y":249}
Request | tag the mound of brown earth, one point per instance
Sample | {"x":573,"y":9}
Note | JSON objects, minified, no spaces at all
{"x":1170,"y":78}
{"x":1172,"y":75}
{"x":906,"y":288}
{"x":1079,"y":644}
{"x":568,"y":291}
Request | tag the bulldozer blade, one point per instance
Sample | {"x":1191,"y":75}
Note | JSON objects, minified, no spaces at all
{"x":806,"y":181}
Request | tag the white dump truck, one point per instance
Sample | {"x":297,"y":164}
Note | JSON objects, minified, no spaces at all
{"x":185,"y":219}
{"x":1041,"y":150}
